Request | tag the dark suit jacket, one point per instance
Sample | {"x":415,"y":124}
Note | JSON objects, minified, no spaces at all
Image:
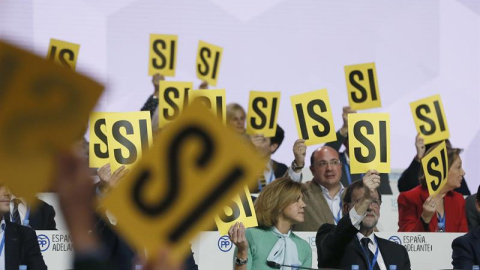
{"x":338,"y":247}
{"x":279,"y":169}
{"x":41,"y":218}
{"x":466,"y":250}
{"x":21,"y":247}
{"x":409,"y":179}
{"x":384,"y":180}
{"x":473,"y":216}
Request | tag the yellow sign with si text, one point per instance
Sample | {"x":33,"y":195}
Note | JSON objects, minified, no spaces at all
{"x":314,"y":117}
{"x":63,"y":53}
{"x":98,"y":145}
{"x":53,"y":112}
{"x":369,"y":142}
{"x":362,"y":86}
{"x":194,"y":168}
{"x":163,"y":54}
{"x":240,"y":209}
{"x":435,"y":167}
{"x":213,"y":99}
{"x":430,"y":119}
{"x":172,"y":98}
{"x":262,"y":113}
{"x":128,"y":135}
{"x":209,"y":57}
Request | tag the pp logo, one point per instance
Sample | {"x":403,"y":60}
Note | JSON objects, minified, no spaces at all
{"x":43,"y":242}
{"x":395,"y":239}
{"x":224,"y":243}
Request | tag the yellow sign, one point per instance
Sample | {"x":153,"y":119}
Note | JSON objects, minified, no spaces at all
{"x":173,"y":97}
{"x":63,"y":53}
{"x":43,"y":110}
{"x":240,"y":209}
{"x":193,"y":170}
{"x":163,"y":52}
{"x":129,"y":134}
{"x":209,"y":57}
{"x":213,"y":100}
{"x":98,"y":146}
{"x":435,"y":167}
{"x":369,"y":142}
{"x":430,"y":119}
{"x":262,"y":113}
{"x":314,"y":117}
{"x":362,"y":86}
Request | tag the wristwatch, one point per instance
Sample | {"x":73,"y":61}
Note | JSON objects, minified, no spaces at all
{"x":239,"y":261}
{"x":295,"y":167}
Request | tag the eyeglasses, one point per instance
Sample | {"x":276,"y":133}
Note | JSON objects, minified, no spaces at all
{"x":323,"y":164}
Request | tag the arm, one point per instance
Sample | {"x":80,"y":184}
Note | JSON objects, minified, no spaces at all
{"x":299,"y":152}
{"x":242,"y":251}
{"x":338,"y":143}
{"x":409,"y":178}
{"x":408,"y":218}
{"x":462,"y":255}
{"x":342,"y":133}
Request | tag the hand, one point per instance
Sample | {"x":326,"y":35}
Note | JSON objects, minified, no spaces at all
{"x":346,"y":110}
{"x":237,"y":236}
{"x":110,"y":180}
{"x":257,"y":140}
{"x":203,"y":85}
{"x":156,"y":78}
{"x":371,"y":181}
{"x":299,"y":151}
{"x":429,"y":207}
{"x":420,"y":145}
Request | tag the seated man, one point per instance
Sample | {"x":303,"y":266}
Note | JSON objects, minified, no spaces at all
{"x":352,"y":241}
{"x":19,"y":243}
{"x":466,"y":248}
{"x":473,"y":216}
{"x":40,"y":218}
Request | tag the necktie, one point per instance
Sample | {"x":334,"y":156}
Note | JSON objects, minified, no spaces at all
{"x":365,"y":241}
{"x":16,"y":214}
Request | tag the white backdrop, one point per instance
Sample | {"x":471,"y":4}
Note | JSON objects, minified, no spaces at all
{"x":420,"y":48}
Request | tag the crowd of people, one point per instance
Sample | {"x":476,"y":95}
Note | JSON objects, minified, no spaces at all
{"x":343,"y":208}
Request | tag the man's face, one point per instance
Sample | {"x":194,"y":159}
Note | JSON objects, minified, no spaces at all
{"x":327,"y":168}
{"x":373,"y":211}
{"x":263,"y":145}
{"x":4,"y":200}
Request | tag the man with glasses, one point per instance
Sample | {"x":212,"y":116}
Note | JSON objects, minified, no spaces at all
{"x":352,"y":241}
{"x":323,"y":194}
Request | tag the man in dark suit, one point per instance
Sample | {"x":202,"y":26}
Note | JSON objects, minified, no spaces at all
{"x":21,"y":244}
{"x":466,"y":248}
{"x":352,"y":241}
{"x":42,"y":217}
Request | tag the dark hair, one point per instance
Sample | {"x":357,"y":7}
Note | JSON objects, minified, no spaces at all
{"x":278,"y":138}
{"x":478,"y":194}
{"x":347,"y":198}
{"x":452,"y":155}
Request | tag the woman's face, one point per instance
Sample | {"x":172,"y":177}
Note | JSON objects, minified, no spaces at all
{"x":455,"y":174}
{"x":237,"y":122}
{"x":294,"y":213}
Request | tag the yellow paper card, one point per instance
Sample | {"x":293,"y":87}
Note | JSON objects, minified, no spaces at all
{"x":240,"y":209}
{"x":435,"y":167}
{"x":262,"y":113}
{"x":128,"y":135}
{"x":43,"y":110}
{"x":430,"y":119}
{"x":194,"y":168}
{"x":314,"y":117}
{"x":63,"y":53}
{"x":163,"y":54}
{"x":362,"y":86}
{"x":213,"y":99}
{"x":173,"y":97}
{"x":209,"y":57}
{"x":98,"y":146}
{"x":369,"y":142}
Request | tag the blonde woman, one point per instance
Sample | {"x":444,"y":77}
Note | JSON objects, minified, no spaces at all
{"x":272,"y":244}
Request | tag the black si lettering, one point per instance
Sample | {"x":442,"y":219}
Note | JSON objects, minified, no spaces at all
{"x":168,"y":99}
{"x":365,"y":141}
{"x":53,"y":53}
{"x":158,"y":52}
{"x":311,"y":112}
{"x":435,"y":173}
{"x":172,"y":54}
{"x":62,"y":57}
{"x":419,"y":113}
{"x":255,"y":107}
{"x":143,"y":133}
{"x":354,"y":83}
{"x":215,"y":65}
{"x":219,"y":100}
{"x":117,"y":135}
{"x":97,"y":149}
{"x":383,"y":141}
{"x":301,"y":121}
{"x":441,"y":121}
{"x":236,"y":209}
{"x":273,"y":112}
{"x":373,"y":89}
{"x":204,"y":54}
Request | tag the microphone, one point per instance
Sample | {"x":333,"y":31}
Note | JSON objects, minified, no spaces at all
{"x":277,"y":265}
